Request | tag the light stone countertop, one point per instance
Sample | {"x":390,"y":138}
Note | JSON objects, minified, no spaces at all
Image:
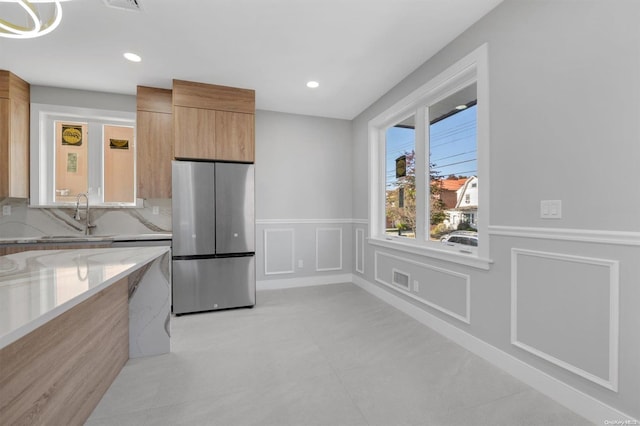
{"x":85,"y":238}
{"x":37,"y":286}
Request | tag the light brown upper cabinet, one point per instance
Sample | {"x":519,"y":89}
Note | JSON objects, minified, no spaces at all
{"x":154,"y":126}
{"x":213,"y":122}
{"x":235,"y":136}
{"x":14,"y":136}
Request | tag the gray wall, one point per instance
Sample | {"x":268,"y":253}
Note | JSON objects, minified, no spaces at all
{"x":82,"y":98}
{"x":564,"y":124}
{"x":303,"y":167}
{"x":303,"y":197}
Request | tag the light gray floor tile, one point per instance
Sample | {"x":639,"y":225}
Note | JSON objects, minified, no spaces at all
{"x":317,"y":401}
{"x":527,"y":408}
{"x":325,"y":355}
{"x":411,"y":393}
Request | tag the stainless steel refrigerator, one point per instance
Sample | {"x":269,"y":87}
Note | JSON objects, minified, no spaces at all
{"x":213,"y":236}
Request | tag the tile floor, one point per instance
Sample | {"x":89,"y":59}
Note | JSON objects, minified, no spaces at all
{"x":327,"y":355}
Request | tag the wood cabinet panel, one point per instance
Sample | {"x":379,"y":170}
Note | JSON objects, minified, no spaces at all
{"x":154,"y":128}
{"x":194,"y":133}
{"x":4,"y":147}
{"x":235,"y":136}
{"x":154,"y":155}
{"x":4,"y":84}
{"x":211,"y":96}
{"x":14,"y":136}
{"x":87,"y":346}
{"x":213,"y":122}
{"x":19,"y":149}
{"x":153,"y":99}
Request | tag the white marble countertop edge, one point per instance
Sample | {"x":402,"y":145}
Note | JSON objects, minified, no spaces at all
{"x":30,"y":326}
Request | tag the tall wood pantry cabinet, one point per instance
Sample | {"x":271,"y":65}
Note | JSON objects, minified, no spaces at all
{"x":213,"y":122}
{"x":154,"y":127}
{"x":14,"y":136}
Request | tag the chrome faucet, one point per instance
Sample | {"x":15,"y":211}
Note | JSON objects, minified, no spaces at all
{"x":87,"y":223}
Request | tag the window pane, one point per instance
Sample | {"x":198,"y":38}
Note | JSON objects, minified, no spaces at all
{"x":400,"y":182}
{"x":119,"y":159}
{"x":71,"y":160}
{"x":453,"y":166}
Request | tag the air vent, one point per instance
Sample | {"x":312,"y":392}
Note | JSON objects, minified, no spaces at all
{"x":124,"y":4}
{"x":401,"y":279}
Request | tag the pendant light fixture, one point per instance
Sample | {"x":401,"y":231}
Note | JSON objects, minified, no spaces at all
{"x":36,"y":25}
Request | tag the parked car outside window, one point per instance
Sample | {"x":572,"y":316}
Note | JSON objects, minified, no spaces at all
{"x":466,"y":238}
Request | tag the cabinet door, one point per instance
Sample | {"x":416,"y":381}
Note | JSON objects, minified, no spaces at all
{"x":14,"y":136}
{"x":154,"y":154}
{"x":19,"y":149}
{"x":194,"y":133}
{"x":4,"y":147}
{"x":234,"y":136}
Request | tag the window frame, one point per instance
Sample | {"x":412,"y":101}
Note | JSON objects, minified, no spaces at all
{"x":42,"y":157}
{"x":472,"y":68}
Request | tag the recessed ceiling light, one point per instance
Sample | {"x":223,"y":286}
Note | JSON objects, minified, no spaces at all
{"x":312,"y":84}
{"x":461,"y":107}
{"x":132,"y":57}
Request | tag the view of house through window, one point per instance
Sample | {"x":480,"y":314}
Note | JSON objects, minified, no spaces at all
{"x":451,"y":205}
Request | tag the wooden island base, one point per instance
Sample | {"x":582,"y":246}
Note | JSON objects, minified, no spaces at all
{"x":57,"y":374}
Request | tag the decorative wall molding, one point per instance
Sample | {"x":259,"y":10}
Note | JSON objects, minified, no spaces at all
{"x":359,"y":244}
{"x":327,"y":232}
{"x":466,"y":318}
{"x":434,"y":253}
{"x":278,"y":284}
{"x":610,"y":382}
{"x":304,"y":221}
{"x":626,"y":238}
{"x":585,"y":405}
{"x":267,"y":249}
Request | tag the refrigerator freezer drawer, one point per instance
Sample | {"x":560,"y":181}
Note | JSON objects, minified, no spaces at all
{"x":209,"y":284}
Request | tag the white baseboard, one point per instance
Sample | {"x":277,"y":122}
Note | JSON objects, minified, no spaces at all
{"x":303,"y":281}
{"x":577,"y":401}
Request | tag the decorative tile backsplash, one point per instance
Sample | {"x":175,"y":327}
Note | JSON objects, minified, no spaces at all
{"x":18,"y":220}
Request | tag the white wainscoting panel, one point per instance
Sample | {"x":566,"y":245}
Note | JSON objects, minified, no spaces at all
{"x":359,"y":243}
{"x":598,"y":412}
{"x":279,"y":251}
{"x":442,"y":289}
{"x":564,"y":309}
{"x":328,"y":249}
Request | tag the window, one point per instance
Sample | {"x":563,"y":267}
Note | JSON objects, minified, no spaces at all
{"x":400,"y":197}
{"x":73,"y":173}
{"x":429,"y":152}
{"x":81,"y":150}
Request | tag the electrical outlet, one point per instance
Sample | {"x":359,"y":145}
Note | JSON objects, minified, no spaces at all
{"x":551,"y":209}
{"x":300,"y":263}
{"x":155,"y":210}
{"x":6,"y":210}
{"x":416,"y":286}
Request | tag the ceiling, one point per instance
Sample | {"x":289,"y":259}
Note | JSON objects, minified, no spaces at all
{"x":356,"y":49}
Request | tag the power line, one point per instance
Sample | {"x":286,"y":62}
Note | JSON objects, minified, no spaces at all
{"x":454,"y":155}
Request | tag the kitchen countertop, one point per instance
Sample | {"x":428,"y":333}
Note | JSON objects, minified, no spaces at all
{"x":84,"y":238}
{"x":37,"y":286}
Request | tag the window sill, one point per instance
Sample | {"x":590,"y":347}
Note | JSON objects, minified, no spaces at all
{"x":470,"y":259}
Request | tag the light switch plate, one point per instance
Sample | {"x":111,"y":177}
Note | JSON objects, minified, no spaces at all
{"x":551,"y":209}
{"x":6,"y":210}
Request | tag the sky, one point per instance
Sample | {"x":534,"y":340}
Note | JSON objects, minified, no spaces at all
{"x":453,"y":145}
